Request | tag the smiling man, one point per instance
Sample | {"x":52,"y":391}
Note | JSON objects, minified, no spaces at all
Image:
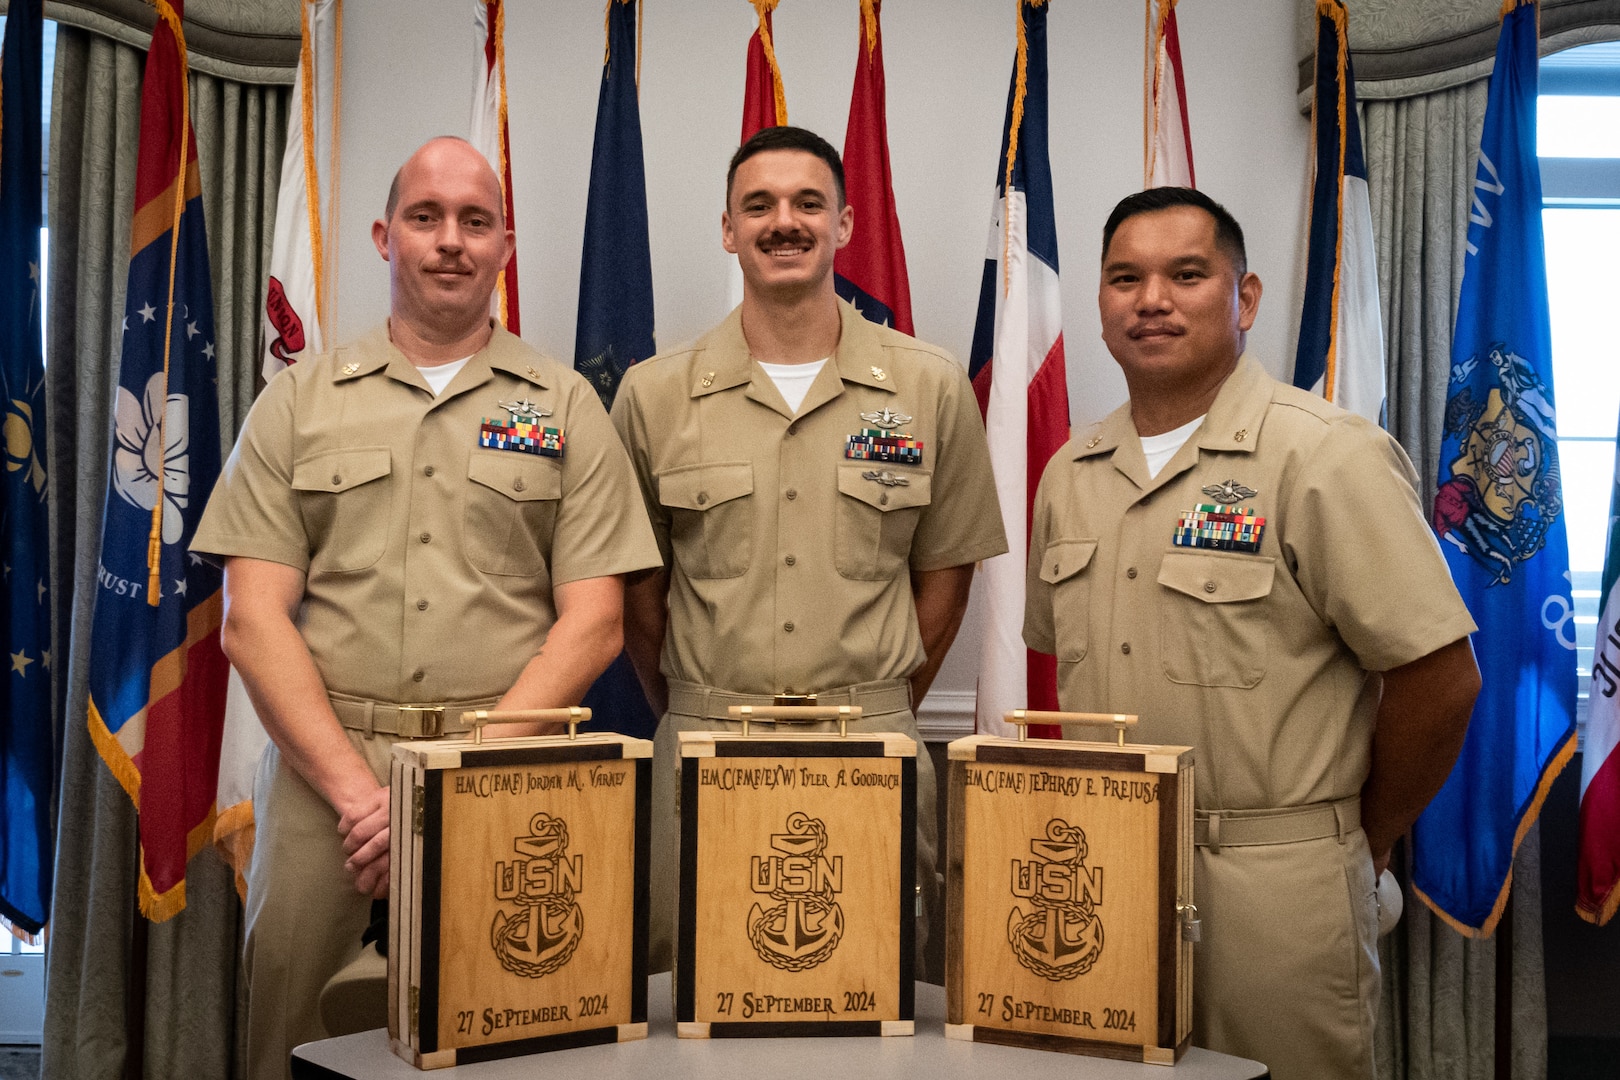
{"x":1246,"y":567}
{"x":436,"y":518}
{"x":819,"y":486}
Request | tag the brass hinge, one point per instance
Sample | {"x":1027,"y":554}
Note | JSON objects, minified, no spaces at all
{"x":418,"y":809}
{"x":416,"y":995}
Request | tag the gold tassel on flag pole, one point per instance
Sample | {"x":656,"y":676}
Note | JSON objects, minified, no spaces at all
{"x":154,"y":542}
{"x":1153,"y":87}
{"x":1021,"y":87}
{"x":499,"y":30}
{"x":764,"y":8}
{"x":869,"y":28}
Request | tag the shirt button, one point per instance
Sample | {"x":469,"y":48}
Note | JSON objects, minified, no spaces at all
{"x":793,"y":429}
{"x":883,"y":500}
{"x":517,"y":484}
{"x":336,"y":479}
{"x":418,"y":675}
{"x":427,"y":470}
{"x":425,"y":537}
{"x":422,"y":605}
{"x":703,"y":498}
{"x":790,"y":560}
{"x":788,"y":627}
{"x":1131,"y":573}
{"x":792,"y":493}
{"x":1125,"y":647}
{"x":1209,"y":586}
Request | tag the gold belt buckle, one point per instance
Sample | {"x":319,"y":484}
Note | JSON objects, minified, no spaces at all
{"x":794,"y":699}
{"x":429,"y":721}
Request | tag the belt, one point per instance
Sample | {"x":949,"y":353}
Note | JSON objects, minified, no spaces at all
{"x":875,"y":699}
{"x":1216,"y":829}
{"x":406,"y":721}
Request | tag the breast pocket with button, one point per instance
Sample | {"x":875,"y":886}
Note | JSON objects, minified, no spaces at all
{"x":876,"y":521}
{"x":1212,"y":623}
{"x":344,"y":497}
{"x":1065,"y":568}
{"x":711,"y":517}
{"x":511,"y":511}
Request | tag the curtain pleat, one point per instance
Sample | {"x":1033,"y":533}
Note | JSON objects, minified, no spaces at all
{"x":191,"y":984}
{"x":1437,"y":1015}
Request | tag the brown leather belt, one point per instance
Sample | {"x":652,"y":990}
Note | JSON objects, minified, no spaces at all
{"x":880,"y":698}
{"x":1216,"y":829}
{"x":406,"y":721}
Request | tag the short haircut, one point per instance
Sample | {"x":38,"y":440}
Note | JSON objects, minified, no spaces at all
{"x":393,"y":189}
{"x":1228,"y":233}
{"x":788,"y":138}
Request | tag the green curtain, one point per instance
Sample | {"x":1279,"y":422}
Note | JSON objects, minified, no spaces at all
{"x":1438,"y":1009}
{"x":191,"y":986}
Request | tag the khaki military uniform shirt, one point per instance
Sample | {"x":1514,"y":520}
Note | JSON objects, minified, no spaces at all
{"x":430,"y":560}
{"x":789,"y":562}
{"x":1259,"y":660}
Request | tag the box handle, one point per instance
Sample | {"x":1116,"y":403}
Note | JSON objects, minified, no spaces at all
{"x":796,"y":714}
{"x":572,"y":716}
{"x":1022,"y":718}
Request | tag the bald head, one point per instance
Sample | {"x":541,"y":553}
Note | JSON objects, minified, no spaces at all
{"x":439,"y":150}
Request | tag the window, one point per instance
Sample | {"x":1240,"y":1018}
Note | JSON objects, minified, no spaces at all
{"x":1578,"y":140}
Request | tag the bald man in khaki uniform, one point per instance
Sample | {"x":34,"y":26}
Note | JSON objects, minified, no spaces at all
{"x":433,"y":519}
{"x":1247,"y":568}
{"x":799,"y":560}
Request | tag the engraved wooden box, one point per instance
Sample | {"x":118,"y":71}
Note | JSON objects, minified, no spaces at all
{"x":518,"y":920}
{"x":797,"y":885}
{"x":1068,"y":896}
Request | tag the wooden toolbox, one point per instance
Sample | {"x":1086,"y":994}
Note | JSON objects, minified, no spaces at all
{"x":797,"y":881}
{"x":1069,"y":917}
{"x":518,"y":920}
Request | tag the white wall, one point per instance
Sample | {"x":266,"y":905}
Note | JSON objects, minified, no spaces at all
{"x":948,"y":63}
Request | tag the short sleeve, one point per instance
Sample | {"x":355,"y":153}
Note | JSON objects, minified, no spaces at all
{"x":1363,"y":553}
{"x":963,"y":522}
{"x":253,"y":511}
{"x":630,"y":422}
{"x":602,"y":525}
{"x":1039,"y":631}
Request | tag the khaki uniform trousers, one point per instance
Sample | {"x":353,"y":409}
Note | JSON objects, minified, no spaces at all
{"x":1287,"y":969}
{"x":884,"y":710}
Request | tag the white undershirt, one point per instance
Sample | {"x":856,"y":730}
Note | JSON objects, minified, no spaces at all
{"x":439,"y":375}
{"x":793,"y":380}
{"x":1159,"y":449}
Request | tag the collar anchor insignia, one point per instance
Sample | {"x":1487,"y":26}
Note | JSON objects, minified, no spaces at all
{"x":1229,"y":491}
{"x":886,"y":418}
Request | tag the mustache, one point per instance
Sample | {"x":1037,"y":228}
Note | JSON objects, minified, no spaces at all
{"x":796,"y":238}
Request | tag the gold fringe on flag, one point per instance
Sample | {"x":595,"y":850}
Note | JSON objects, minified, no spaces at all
{"x":764,"y":8}
{"x":607,"y":37}
{"x":1335,"y":10}
{"x":1020,"y":88}
{"x":498,"y":28}
{"x":869,"y":26}
{"x":1153,"y":86}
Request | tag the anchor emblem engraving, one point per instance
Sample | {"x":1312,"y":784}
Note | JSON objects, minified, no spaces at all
{"x":806,"y":924}
{"x":544,"y":881}
{"x":1061,"y":937}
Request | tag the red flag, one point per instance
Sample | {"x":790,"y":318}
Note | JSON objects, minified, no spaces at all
{"x":1169,"y":158}
{"x":764,"y":102}
{"x":871,"y":268}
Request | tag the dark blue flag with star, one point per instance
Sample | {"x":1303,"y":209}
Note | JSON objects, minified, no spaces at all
{"x":615,"y":296}
{"x":25,"y":729}
{"x":157,"y":671}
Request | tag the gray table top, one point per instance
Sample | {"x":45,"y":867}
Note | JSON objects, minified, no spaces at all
{"x":366,"y":1056}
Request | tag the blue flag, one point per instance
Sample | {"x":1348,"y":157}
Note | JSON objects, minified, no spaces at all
{"x":157,"y":671}
{"x":615,"y":295}
{"x":25,"y":728}
{"x":1499,"y":513}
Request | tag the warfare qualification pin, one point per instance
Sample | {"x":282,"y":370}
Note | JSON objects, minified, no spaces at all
{"x":1229,"y":491}
{"x":886,"y":418}
{"x":886,"y":478}
{"x":523,"y":410}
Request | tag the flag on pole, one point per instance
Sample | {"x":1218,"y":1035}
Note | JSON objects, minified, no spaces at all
{"x":1597,"y":893}
{"x":25,"y":732}
{"x":298,"y":298}
{"x":491,"y":134}
{"x":1341,"y":335}
{"x":615,"y":327}
{"x":1168,"y":161}
{"x":870,"y":271}
{"x":157,"y":672}
{"x":1499,"y":511}
{"x":1016,"y":363}
{"x":764,"y":100}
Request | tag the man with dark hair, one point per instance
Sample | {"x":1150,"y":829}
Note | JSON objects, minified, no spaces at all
{"x":1246,"y":567}
{"x":436,"y":518}
{"x":820,"y":489}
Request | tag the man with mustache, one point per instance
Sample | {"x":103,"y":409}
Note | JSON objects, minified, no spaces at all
{"x":433,"y":519}
{"x":1246,"y":567}
{"x":819,"y":486}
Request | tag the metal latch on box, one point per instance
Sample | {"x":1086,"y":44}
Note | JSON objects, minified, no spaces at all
{"x":1022,"y":718}
{"x":796,"y":714}
{"x":1191,"y":928}
{"x":418,"y":809}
